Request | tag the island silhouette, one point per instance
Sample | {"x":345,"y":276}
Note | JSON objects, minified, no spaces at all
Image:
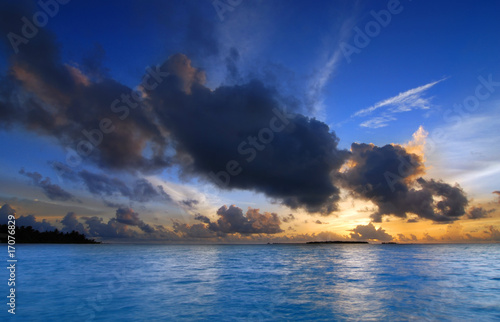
{"x":29,"y":235}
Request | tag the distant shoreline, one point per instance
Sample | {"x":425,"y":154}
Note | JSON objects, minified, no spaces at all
{"x":338,"y":242}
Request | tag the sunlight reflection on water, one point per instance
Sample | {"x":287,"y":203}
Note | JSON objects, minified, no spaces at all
{"x":258,"y":282}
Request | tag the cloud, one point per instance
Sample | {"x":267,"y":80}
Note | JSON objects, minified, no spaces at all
{"x":144,"y":191}
{"x":214,"y":127}
{"x":50,"y":97}
{"x":328,"y":66}
{"x":112,"y":229}
{"x":119,"y":227}
{"x":70,"y":223}
{"x":231,"y":220}
{"x":129,"y":217}
{"x":498,"y":194}
{"x":181,"y":122}
{"x":478,"y":213}
{"x":389,"y":177}
{"x":369,"y":232}
{"x":453,"y":199}
{"x":288,"y":218}
{"x":193,"y":231}
{"x":429,"y":238}
{"x":403,"y":102}
{"x":493,"y":233}
{"x":291,"y":158}
{"x":377,"y":122}
{"x":29,"y":220}
{"x":418,"y":142}
{"x":52,"y":191}
{"x":303,"y":238}
{"x":319,"y":222}
{"x":5,"y":212}
{"x":103,"y":185}
{"x":202,"y":218}
{"x":190,"y":203}
{"x":403,"y":238}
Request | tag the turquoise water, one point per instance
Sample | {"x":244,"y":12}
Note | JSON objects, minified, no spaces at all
{"x":256,"y":282}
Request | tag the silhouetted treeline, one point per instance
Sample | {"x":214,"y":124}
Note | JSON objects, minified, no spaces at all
{"x":29,"y":235}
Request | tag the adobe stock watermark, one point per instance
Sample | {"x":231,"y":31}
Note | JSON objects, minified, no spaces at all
{"x":251,"y":146}
{"x":223,"y":6}
{"x":372,"y":29}
{"x":50,"y":8}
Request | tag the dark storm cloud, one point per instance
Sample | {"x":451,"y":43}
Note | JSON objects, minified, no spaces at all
{"x":53,"y":98}
{"x":294,"y":163}
{"x":119,"y":227}
{"x":231,"y":220}
{"x":478,"y":213}
{"x":52,"y":191}
{"x":116,"y":227}
{"x":112,"y":229}
{"x":207,"y":128}
{"x":366,"y":232}
{"x":202,"y":218}
{"x":103,"y":185}
{"x":239,"y":137}
{"x":453,"y":202}
{"x":129,"y":217}
{"x":389,"y":177}
{"x":70,"y":223}
{"x":144,"y":191}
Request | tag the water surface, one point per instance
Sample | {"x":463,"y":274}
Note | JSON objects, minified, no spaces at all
{"x":257,"y":282}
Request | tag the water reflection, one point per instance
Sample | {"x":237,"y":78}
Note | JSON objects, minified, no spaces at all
{"x":259,"y":282}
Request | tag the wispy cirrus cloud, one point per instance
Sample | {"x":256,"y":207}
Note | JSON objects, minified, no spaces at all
{"x":379,"y":121}
{"x":403,"y":102}
{"x":328,"y":67}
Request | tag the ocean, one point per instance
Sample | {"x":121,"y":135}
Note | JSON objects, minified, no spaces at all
{"x":328,"y":282}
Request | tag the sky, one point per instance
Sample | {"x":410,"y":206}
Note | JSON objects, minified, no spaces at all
{"x":238,"y":121}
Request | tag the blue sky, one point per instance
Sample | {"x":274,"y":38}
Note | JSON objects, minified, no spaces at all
{"x":430,"y":68}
